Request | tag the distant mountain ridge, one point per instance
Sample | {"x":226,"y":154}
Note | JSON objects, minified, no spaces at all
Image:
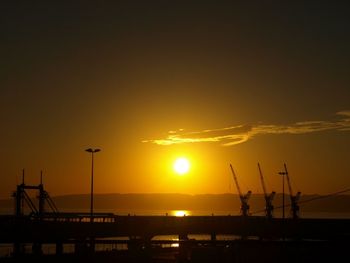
{"x":205,"y":202}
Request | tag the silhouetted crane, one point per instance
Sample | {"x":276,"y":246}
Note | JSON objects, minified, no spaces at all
{"x":294,"y":199}
{"x":268,"y":197}
{"x":244,"y":198}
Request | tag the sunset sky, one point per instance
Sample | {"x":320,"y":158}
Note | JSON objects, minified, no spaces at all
{"x":217,"y":82}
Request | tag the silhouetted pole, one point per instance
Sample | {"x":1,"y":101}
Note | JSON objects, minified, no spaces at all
{"x":283,"y":174}
{"x":283,"y":215}
{"x":92,"y":151}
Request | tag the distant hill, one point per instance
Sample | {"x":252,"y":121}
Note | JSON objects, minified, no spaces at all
{"x":224,"y":203}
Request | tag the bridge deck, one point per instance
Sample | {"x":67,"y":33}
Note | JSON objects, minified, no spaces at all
{"x":52,"y":229}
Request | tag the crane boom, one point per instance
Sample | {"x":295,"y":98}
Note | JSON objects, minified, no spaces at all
{"x":262,"y":181}
{"x":268,"y":197}
{"x":236,"y":182}
{"x":288,"y":180}
{"x":294,"y":199}
{"x":244,"y":198}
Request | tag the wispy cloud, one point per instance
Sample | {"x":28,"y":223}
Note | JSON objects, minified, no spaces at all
{"x":233,"y":135}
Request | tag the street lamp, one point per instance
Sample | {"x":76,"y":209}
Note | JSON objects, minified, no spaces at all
{"x":92,"y":151}
{"x":283,"y":174}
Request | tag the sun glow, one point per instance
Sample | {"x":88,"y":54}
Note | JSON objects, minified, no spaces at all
{"x":179,"y":213}
{"x":181,"y":166}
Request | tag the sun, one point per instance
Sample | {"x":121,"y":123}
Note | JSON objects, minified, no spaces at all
{"x":181,"y":166}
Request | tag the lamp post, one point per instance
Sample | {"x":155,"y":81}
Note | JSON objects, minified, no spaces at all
{"x":92,"y":151}
{"x":283,"y":174}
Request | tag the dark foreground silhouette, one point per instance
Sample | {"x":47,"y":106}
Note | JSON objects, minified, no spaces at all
{"x":234,"y":251}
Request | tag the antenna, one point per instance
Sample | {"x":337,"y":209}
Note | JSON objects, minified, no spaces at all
{"x":41,"y":177}
{"x":23,"y":176}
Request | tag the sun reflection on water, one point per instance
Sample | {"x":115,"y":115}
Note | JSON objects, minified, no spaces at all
{"x":180,"y":213}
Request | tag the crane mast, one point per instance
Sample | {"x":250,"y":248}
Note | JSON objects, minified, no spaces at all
{"x":268,"y":197}
{"x":244,"y":198}
{"x":262,"y":181}
{"x":294,"y":199}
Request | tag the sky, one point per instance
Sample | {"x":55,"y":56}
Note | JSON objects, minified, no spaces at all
{"x":217,"y":82}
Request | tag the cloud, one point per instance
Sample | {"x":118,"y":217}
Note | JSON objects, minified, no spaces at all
{"x":233,"y":135}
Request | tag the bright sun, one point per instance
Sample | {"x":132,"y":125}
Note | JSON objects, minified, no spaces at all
{"x":181,"y":166}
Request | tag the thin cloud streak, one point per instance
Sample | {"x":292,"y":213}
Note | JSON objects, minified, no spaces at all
{"x":234,"y":135}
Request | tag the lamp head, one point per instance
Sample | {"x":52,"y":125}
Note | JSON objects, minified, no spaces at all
{"x":90,"y":150}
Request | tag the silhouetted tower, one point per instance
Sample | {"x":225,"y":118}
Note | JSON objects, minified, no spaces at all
{"x":244,"y":198}
{"x":268,"y":197}
{"x":41,"y":196}
{"x":294,"y":199}
{"x":22,"y":197}
{"x":19,"y":196}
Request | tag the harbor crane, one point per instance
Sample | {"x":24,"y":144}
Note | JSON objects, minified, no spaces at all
{"x":244,"y":198}
{"x":294,"y":199}
{"x":268,"y":197}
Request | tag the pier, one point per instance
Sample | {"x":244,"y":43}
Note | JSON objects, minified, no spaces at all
{"x":138,"y":231}
{"x":252,"y":238}
{"x":69,"y":228}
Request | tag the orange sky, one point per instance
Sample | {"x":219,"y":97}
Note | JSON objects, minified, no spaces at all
{"x":121,"y":77}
